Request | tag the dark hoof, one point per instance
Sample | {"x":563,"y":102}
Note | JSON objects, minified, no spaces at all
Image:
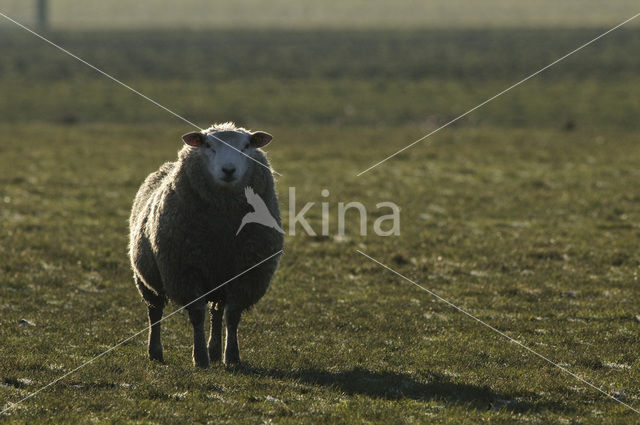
{"x":159,"y":359}
{"x":233,"y":366}
{"x":232,"y":360}
{"x":202,"y":362}
{"x":156,"y":356}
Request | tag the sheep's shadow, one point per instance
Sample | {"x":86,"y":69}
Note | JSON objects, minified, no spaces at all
{"x":395,"y":386}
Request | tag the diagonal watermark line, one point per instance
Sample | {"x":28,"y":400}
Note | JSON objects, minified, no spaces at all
{"x":13,"y":405}
{"x":499,"y":94}
{"x":98,"y":70}
{"x":449,"y":303}
{"x":114,"y":79}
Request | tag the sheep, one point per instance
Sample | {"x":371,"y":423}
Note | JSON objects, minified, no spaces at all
{"x":185,"y":239}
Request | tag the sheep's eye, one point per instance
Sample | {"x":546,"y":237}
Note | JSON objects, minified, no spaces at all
{"x":246,"y":147}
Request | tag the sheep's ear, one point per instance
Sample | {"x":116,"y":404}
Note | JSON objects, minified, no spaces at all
{"x":195,"y":138}
{"x":260,"y":139}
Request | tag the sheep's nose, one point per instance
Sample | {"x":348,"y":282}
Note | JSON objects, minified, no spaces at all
{"x":229,"y":169}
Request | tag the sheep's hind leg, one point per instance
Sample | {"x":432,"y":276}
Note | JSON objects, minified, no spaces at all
{"x":231,"y":351}
{"x":155,"y":344}
{"x":197,"y":313}
{"x":215,"y":339}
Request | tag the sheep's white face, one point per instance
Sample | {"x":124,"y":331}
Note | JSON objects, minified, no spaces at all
{"x":226,"y":153}
{"x":229,"y":154}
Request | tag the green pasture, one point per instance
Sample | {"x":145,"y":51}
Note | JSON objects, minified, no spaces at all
{"x":526,"y":214}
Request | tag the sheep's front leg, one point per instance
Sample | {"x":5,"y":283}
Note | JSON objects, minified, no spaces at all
{"x":155,"y":344}
{"x":231,"y":351}
{"x":197,"y":314}
{"x":215,"y":339}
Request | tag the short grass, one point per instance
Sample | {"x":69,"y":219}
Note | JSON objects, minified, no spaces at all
{"x":531,"y":225}
{"x":534,"y":232}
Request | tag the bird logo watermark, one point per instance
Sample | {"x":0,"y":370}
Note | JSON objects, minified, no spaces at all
{"x":260,"y":214}
{"x":384,"y":225}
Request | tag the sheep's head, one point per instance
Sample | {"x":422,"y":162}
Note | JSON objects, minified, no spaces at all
{"x":229,"y":153}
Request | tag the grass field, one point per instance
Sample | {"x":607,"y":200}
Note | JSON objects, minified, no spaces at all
{"x":418,"y":78}
{"x":526,"y":214}
{"x":203,"y":14}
